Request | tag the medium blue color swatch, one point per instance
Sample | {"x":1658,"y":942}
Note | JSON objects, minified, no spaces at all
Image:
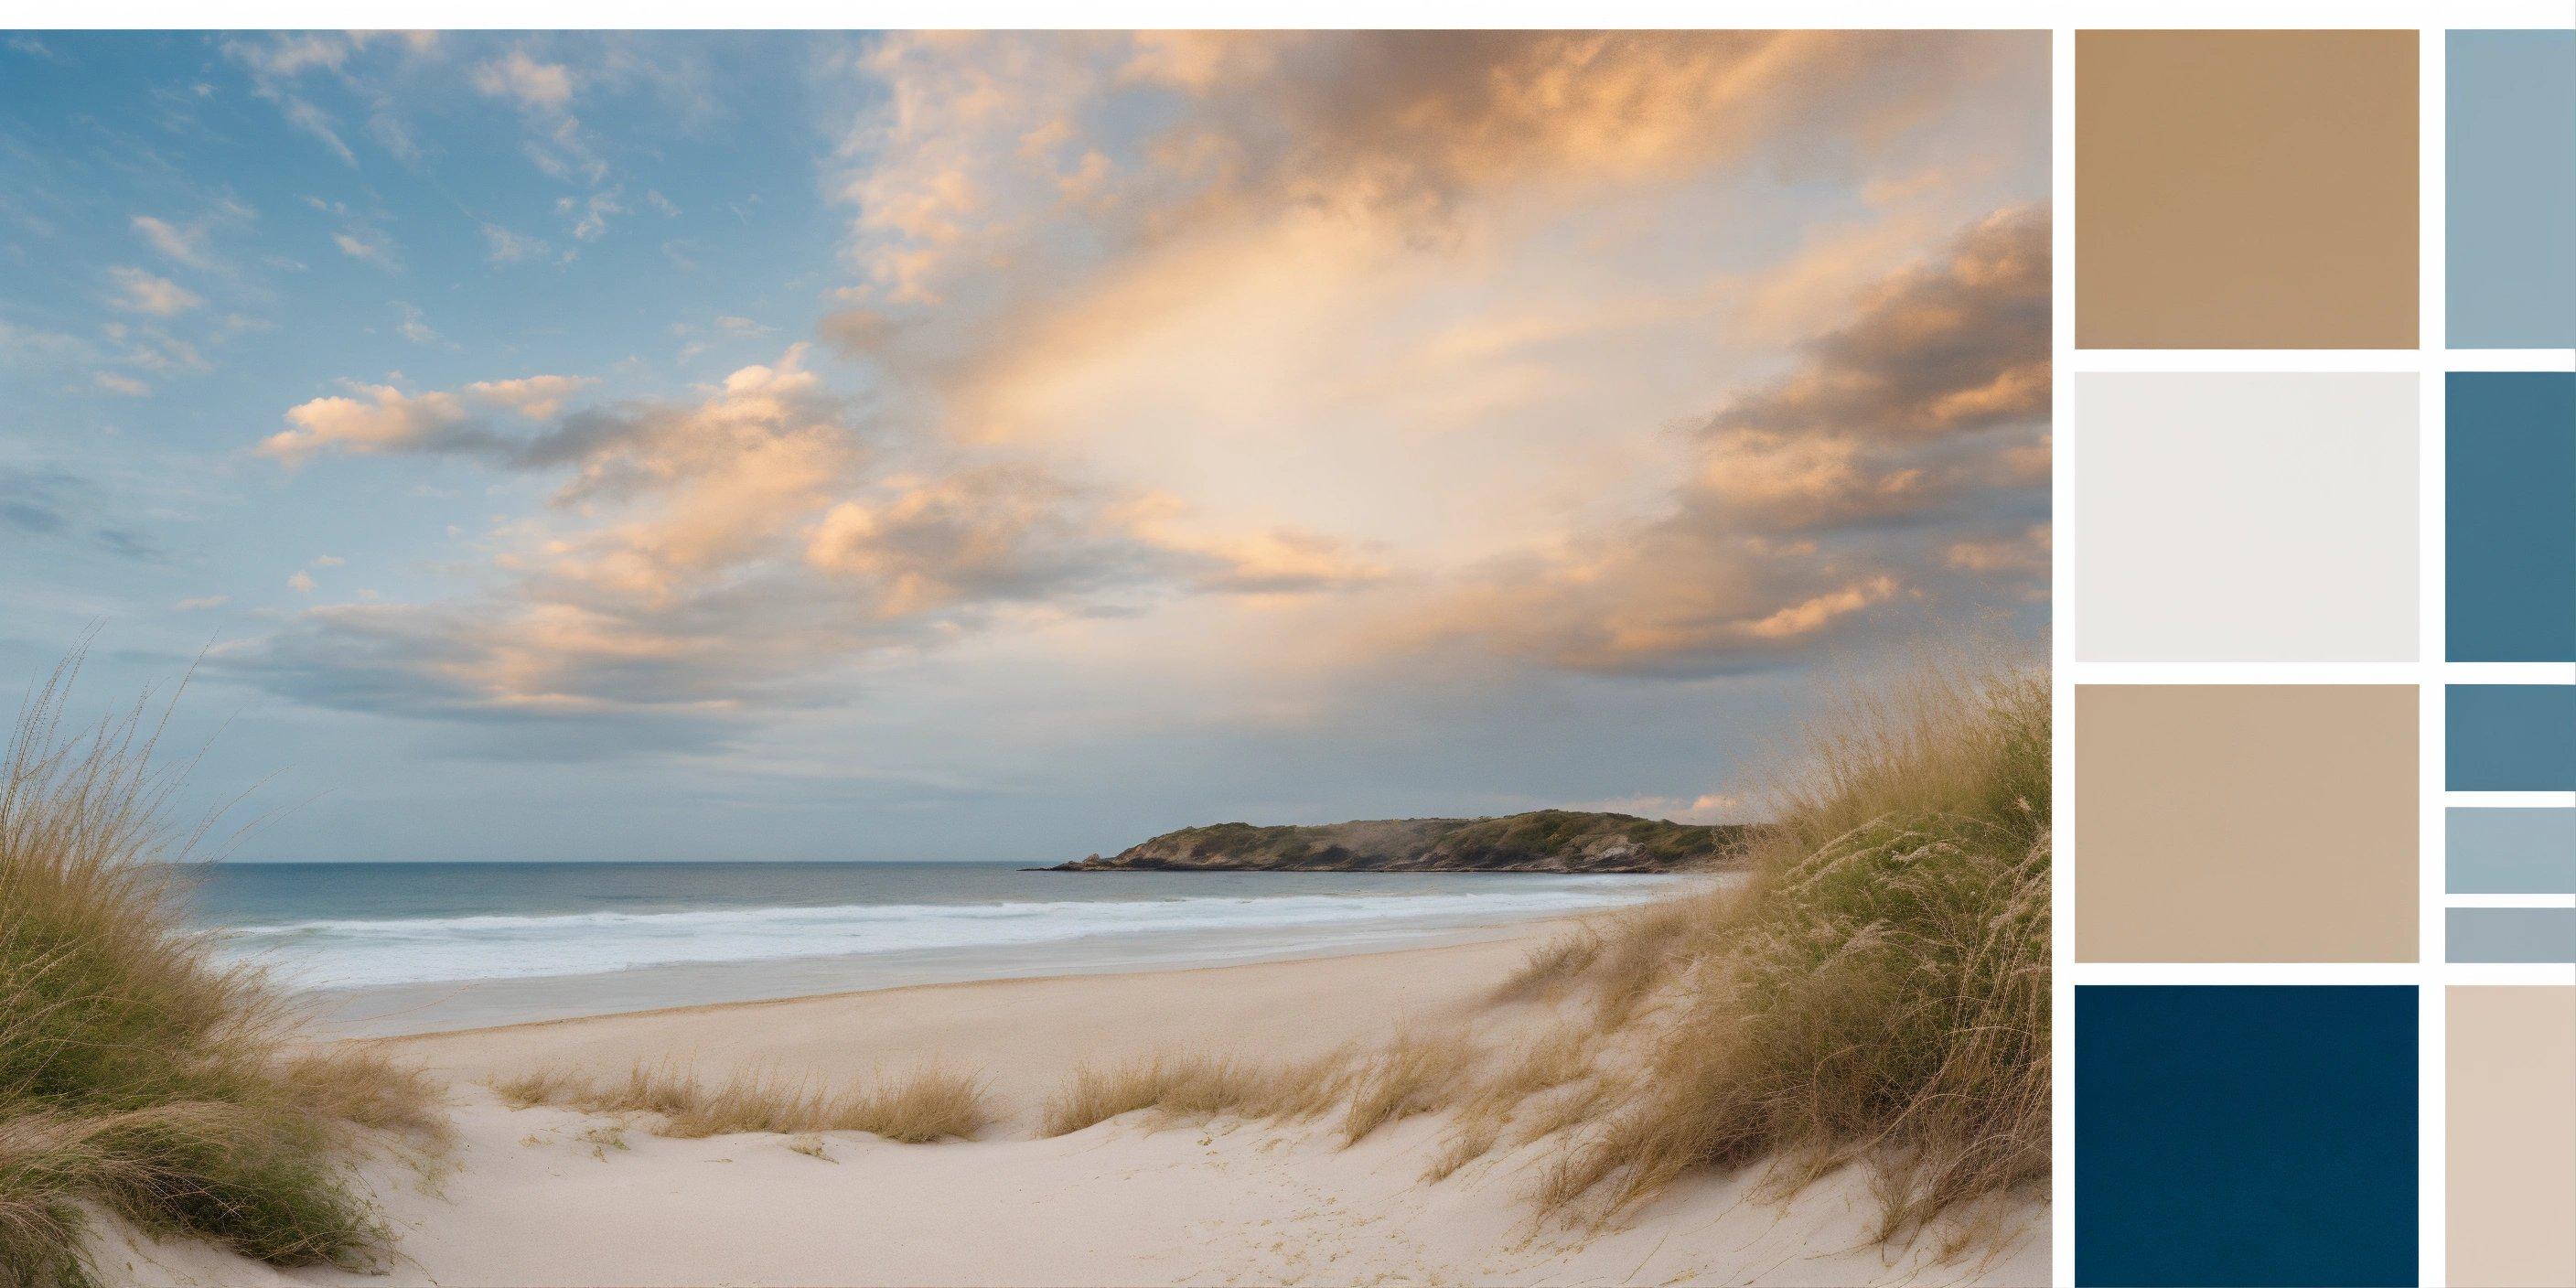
{"x":2511,"y":934}
{"x":2511,"y":489}
{"x":2247,"y":1136}
{"x":2511,"y":150}
{"x":2510,"y":851}
{"x":2511,"y":737}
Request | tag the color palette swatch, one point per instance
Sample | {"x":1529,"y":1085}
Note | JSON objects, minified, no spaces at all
{"x":2510,"y":560}
{"x":2245,"y":189}
{"x":2511,"y":851}
{"x":2512,"y":1136}
{"x":2512,"y":934}
{"x":2511,"y":153}
{"x":2245,"y":1135}
{"x":2301,"y":496}
{"x":2245,"y":823}
{"x":2511,"y":737}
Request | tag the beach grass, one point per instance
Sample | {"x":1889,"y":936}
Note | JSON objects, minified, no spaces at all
{"x":927,"y":1105}
{"x":1878,"y":994}
{"x":138,"y":1075}
{"x":1178,"y":1087}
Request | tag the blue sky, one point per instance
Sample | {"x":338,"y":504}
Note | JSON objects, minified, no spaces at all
{"x":845,"y":446}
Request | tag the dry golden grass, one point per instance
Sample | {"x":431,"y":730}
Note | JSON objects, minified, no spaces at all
{"x":1516,"y":1097}
{"x":137,"y":1074}
{"x":929,"y":1105}
{"x":1413,"y":1075}
{"x":1879,"y":993}
{"x":1194,"y":1087}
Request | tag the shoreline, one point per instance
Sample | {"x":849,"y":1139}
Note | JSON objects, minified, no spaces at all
{"x":1441,"y":938}
{"x":1023,"y":1036}
{"x":1144,"y":933}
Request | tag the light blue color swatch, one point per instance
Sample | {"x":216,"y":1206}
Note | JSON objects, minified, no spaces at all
{"x":2511,"y":851}
{"x":2512,"y":211}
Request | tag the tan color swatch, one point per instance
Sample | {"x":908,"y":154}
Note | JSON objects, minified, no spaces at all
{"x":2512,"y":1168}
{"x":2245,"y":189}
{"x":2245,"y":823}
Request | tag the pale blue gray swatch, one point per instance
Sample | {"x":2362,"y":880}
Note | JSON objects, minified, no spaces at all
{"x":2512,"y":209}
{"x":2512,"y":934}
{"x":2511,"y":851}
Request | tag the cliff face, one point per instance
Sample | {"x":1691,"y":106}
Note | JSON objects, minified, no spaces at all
{"x":1548,"y":840}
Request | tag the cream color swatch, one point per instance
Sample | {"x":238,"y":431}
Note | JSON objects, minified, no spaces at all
{"x":2242,"y":517}
{"x":2512,"y":1131}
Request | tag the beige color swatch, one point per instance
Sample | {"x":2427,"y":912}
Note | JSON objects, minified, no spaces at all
{"x":2512,"y":1090}
{"x":2245,"y":823}
{"x":2245,"y":189}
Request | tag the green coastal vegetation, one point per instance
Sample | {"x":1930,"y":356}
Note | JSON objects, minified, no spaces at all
{"x":138,"y":1077}
{"x":1547,"y":840}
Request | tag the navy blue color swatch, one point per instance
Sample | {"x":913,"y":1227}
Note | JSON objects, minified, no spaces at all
{"x":2511,"y":737}
{"x":2511,"y":497}
{"x":2248,"y":1136}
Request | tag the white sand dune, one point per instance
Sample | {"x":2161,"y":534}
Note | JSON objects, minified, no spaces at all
{"x":551,"y":1196}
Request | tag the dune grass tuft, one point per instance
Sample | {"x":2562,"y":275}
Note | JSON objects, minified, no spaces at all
{"x":1880,"y":992}
{"x":1194,"y":1087}
{"x":1413,"y":1075}
{"x":929,"y":1105}
{"x":138,"y":1075}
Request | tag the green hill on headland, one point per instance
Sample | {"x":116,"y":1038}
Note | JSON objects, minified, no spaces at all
{"x":1547,"y":840}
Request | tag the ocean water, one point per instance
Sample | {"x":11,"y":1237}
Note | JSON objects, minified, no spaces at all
{"x":382,"y":948}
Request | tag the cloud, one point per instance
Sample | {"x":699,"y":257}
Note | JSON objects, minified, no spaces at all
{"x":1819,"y":499}
{"x":277,"y":63}
{"x":1706,"y":807}
{"x":415,"y":325}
{"x":368,"y":246}
{"x":536,"y":86}
{"x":121,"y":384}
{"x":57,"y":506}
{"x":1954,"y":346}
{"x":502,"y":246}
{"x":301,"y":583}
{"x":590,"y":216}
{"x":385,"y":418}
{"x":978,"y":144}
{"x":141,"y":292}
{"x":702,"y":559}
{"x":536,"y":397}
{"x":199,"y":603}
{"x":184,"y":245}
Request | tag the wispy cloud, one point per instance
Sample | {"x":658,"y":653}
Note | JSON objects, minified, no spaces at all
{"x":137,"y":291}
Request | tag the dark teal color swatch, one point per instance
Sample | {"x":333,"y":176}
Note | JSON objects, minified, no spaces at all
{"x":2511,"y":152}
{"x":2511,"y":492}
{"x":2510,"y":851}
{"x":2510,"y":737}
{"x":2245,"y":1136}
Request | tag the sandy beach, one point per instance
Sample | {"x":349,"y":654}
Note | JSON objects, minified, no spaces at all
{"x":554,"y":1196}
